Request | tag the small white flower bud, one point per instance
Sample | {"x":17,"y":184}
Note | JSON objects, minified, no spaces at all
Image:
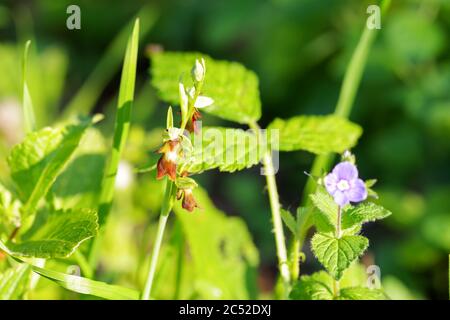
{"x":198,"y":71}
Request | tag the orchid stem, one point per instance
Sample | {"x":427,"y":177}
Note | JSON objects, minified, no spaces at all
{"x":164,"y":215}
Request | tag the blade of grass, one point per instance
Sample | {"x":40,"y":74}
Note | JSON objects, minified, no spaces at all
{"x":347,"y":94}
{"x":122,"y":126}
{"x":78,"y":284}
{"x":27,"y":105}
{"x":88,"y":94}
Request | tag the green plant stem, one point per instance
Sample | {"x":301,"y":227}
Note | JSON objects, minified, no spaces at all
{"x":276,"y":215}
{"x":338,"y":223}
{"x":347,"y":94}
{"x":164,"y":215}
{"x":336,"y":288}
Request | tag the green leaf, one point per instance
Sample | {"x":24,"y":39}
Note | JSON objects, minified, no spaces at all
{"x":122,"y":123}
{"x":80,"y":284}
{"x":9,"y":209}
{"x":335,"y":254}
{"x":317,"y":286}
{"x":361,"y":293}
{"x":221,"y":252}
{"x":224,"y":148}
{"x":289,"y":221}
{"x":233,"y":87}
{"x":79,"y":185}
{"x":13,"y":282}
{"x":325,"y":218}
{"x":61,"y":234}
{"x":39,"y":159}
{"x":28,"y":112}
{"x":87,"y":286}
{"x":363,"y":213}
{"x":316,"y":134}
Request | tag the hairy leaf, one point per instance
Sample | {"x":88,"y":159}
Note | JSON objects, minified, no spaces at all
{"x":336,"y":254}
{"x":62,"y":233}
{"x":38,"y":160}
{"x":316,"y":134}
{"x":326,"y":216}
{"x":361,"y":293}
{"x":233,"y":88}
{"x":317,"y":286}
{"x":226,"y":149}
{"x":363,"y":213}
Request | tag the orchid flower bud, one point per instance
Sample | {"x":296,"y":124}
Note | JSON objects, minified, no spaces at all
{"x":199,"y":70}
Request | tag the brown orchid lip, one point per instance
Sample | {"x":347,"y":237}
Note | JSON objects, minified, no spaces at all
{"x":167,"y":164}
{"x":188,"y":202}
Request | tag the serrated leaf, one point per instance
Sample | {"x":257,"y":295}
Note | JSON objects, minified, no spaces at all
{"x":226,"y":149}
{"x":318,"y":286}
{"x":289,"y":221}
{"x":316,"y":134}
{"x":13,"y":282}
{"x":362,"y":213}
{"x":38,"y":160}
{"x":361,"y":293}
{"x":336,"y":254}
{"x":233,"y":88}
{"x":62,"y":233}
{"x":326,"y":216}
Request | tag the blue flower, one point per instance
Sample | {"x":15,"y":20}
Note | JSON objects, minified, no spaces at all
{"x":344,"y":185}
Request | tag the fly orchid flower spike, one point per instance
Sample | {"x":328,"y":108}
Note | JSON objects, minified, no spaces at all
{"x":170,"y":150}
{"x":185,"y":187}
{"x":344,"y":185}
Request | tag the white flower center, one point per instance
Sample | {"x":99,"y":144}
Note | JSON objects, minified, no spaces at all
{"x":343,"y":185}
{"x":172,"y":156}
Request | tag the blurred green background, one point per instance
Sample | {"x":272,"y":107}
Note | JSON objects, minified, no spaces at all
{"x":299,"y":49}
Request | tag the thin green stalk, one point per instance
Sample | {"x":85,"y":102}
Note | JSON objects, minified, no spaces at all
{"x":276,"y":215}
{"x":350,"y":85}
{"x":164,"y":215}
{"x":27,"y":105}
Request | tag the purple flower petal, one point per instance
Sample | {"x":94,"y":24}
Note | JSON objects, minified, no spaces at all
{"x":340,"y":198}
{"x":346,"y":170}
{"x":357,"y":191}
{"x":330,"y":183}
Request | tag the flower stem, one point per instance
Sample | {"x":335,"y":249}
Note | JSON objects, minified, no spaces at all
{"x":276,"y":215}
{"x":164,"y":215}
{"x":338,"y":223}
{"x":336,"y":288}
